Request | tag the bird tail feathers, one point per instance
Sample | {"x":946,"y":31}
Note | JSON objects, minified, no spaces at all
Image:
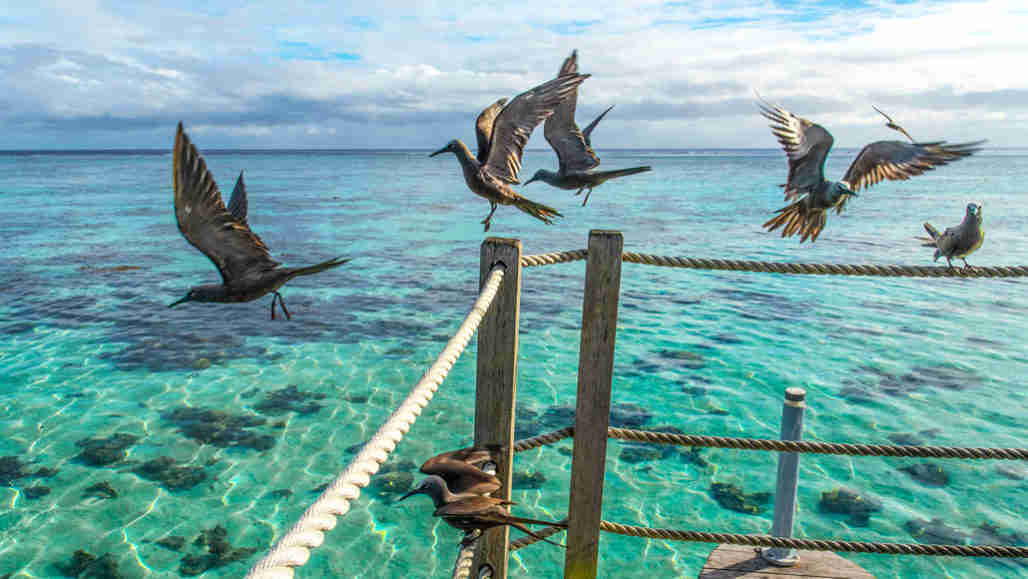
{"x":528,"y":531}
{"x":541,"y":212}
{"x":622,"y":172}
{"x":318,"y":268}
{"x":799,"y":218}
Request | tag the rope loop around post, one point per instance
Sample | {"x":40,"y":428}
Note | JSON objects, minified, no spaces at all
{"x":293,"y":548}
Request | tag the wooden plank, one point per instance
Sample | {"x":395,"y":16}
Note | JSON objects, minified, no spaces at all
{"x":496,"y":386}
{"x":742,"y":562}
{"x":592,"y":407}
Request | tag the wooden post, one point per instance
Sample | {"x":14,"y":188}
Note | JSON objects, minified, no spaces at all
{"x":592,"y":408}
{"x":496,"y":387}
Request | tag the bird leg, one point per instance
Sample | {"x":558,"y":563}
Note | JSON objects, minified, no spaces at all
{"x":580,"y":189}
{"x":967,"y":266}
{"x":949,"y":262}
{"x":282,"y":303}
{"x":587,"y":194}
{"x":488,"y":219}
{"x":470,"y":537}
{"x":274,"y":297}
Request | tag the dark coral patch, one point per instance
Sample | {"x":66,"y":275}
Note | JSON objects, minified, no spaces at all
{"x":290,"y":399}
{"x":220,"y":428}
{"x":104,"y":451}
{"x":166,"y":471}
{"x":732,"y":497}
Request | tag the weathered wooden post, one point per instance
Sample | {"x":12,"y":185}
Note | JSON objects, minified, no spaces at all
{"x":788,"y":479}
{"x":592,"y":408}
{"x":496,"y":387}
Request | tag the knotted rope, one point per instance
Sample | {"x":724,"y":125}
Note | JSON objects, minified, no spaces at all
{"x":293,"y":549}
{"x":785,"y":267}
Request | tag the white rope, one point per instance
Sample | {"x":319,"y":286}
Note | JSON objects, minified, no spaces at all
{"x":293,"y":549}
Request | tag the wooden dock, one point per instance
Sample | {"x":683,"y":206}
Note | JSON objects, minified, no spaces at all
{"x":742,"y":562}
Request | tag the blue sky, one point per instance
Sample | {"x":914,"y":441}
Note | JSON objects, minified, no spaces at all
{"x":94,"y":74}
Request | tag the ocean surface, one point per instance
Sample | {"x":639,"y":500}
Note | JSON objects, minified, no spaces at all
{"x":152,"y":427}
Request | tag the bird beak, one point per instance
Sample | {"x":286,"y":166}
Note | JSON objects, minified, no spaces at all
{"x":411,"y":493}
{"x":185,"y":299}
{"x":529,"y":181}
{"x":443,"y":150}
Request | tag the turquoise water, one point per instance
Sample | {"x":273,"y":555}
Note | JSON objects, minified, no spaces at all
{"x":90,"y":352}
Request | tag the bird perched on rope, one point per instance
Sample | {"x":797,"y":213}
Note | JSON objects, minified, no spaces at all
{"x":573,"y":146}
{"x":470,"y":512}
{"x":959,"y":241}
{"x":462,"y":470}
{"x":807,"y":144}
{"x":223,"y":235}
{"x":502,"y":130}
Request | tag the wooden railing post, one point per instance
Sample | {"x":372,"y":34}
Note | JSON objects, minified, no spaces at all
{"x":592,"y":408}
{"x":496,"y":387}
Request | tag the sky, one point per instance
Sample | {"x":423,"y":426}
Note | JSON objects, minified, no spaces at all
{"x":88,"y":74}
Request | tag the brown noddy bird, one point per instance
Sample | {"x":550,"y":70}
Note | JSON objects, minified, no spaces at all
{"x":807,"y":144}
{"x":574,"y":150}
{"x":959,"y":241}
{"x":502,"y":131}
{"x":892,"y":124}
{"x":223,"y":235}
{"x":470,"y":512}
{"x":462,"y":470}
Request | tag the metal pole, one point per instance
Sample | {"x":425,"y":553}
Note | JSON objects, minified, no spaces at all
{"x":788,"y":479}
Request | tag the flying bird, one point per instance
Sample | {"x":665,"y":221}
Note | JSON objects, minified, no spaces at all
{"x":574,"y":150}
{"x":223,"y":235}
{"x":959,"y":241}
{"x":502,"y":130}
{"x":892,"y":124}
{"x":462,"y":470}
{"x":470,"y":512}
{"x":807,"y":144}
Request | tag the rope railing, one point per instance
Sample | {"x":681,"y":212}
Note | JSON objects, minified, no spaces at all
{"x":465,"y":557}
{"x":802,"y":446}
{"x":785,"y":267}
{"x":791,"y":543}
{"x":293,"y":549}
{"x":812,"y":447}
{"x":540,"y":535}
{"x":818,"y":544}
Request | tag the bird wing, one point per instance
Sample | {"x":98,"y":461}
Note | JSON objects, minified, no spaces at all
{"x":806,"y":144}
{"x":206,"y":223}
{"x":561,"y":132}
{"x":899,"y":161}
{"x":484,"y":128}
{"x":237,"y":204}
{"x":589,"y":128}
{"x":514,"y":125}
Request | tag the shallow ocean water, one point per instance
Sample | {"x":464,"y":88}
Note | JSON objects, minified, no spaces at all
{"x":90,"y":351}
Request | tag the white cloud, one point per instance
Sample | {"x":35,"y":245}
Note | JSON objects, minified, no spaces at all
{"x":685,"y":69}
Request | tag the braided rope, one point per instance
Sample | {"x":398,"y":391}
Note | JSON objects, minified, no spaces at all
{"x":293,"y":549}
{"x":465,"y":558}
{"x":807,"y":446}
{"x":817,"y":544}
{"x":803,"y":446}
{"x":552,"y":258}
{"x":544,"y":439}
{"x":785,"y":267}
{"x":545,"y":534}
